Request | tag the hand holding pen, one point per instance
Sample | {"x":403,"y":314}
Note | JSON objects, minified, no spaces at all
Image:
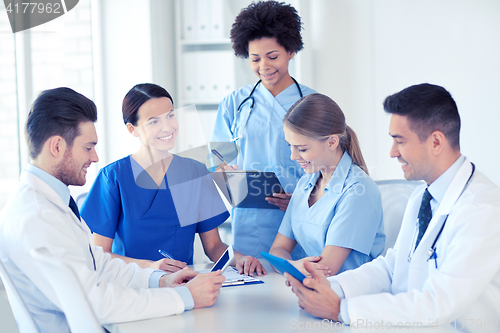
{"x":168,"y":264}
{"x":223,"y":166}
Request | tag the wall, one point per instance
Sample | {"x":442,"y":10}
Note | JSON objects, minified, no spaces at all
{"x":363,"y":51}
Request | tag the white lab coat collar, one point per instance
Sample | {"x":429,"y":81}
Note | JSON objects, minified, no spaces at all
{"x":438,"y":187}
{"x":452,"y":194}
{"x":40,"y":186}
{"x":52,"y":181}
{"x":455,"y":189}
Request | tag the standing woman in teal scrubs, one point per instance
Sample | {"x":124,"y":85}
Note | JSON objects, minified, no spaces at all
{"x":268,"y":33}
{"x":335,"y":212}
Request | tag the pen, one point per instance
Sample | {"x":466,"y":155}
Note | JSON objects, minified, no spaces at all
{"x":216,"y":153}
{"x":166,"y":255}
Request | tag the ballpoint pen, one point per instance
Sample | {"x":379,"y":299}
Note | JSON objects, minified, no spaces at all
{"x":166,"y":255}
{"x":219,"y":156}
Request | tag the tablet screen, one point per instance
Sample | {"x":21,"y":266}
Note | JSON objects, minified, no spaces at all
{"x":222,"y":261}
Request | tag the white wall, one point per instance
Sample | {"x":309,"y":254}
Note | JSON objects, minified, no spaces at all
{"x":357,"y":52}
{"x":365,"y":50}
{"x":136,"y":46}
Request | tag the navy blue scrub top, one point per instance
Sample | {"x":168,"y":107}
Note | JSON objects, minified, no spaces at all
{"x":125,"y":204}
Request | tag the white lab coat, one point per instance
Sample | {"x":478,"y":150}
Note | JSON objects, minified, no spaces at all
{"x":466,"y":284}
{"x":37,"y":217}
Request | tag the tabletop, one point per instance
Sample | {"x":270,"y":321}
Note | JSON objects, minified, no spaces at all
{"x":265,"y":307}
{"x":258,"y":308}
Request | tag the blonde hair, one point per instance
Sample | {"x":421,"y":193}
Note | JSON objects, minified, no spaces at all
{"x":318,"y":117}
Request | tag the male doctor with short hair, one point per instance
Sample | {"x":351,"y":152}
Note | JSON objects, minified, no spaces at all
{"x":445,"y":265}
{"x":61,"y":137}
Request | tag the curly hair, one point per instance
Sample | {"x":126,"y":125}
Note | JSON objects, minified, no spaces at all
{"x":267,"y":19}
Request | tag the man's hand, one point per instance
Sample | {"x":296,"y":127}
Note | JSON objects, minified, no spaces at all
{"x":248,"y":265}
{"x":168,"y":265}
{"x":315,"y":295}
{"x":280,"y":199}
{"x":178,"y":278}
{"x":205,"y":287}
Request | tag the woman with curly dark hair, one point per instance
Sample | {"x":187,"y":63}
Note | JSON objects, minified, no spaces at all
{"x":268,"y":33}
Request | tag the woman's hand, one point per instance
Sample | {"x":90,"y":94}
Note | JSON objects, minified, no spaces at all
{"x":168,"y":265}
{"x":248,"y":265}
{"x":280,"y":199}
{"x":226,"y":167}
{"x":299,"y":264}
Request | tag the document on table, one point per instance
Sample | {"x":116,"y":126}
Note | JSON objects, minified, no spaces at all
{"x":233,"y":278}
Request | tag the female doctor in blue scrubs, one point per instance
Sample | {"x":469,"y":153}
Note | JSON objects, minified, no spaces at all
{"x":335,"y":212}
{"x":268,"y":33}
{"x":153,"y":200}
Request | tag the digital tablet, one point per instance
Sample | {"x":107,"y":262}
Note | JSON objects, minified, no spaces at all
{"x":283,"y":266}
{"x":224,"y":261}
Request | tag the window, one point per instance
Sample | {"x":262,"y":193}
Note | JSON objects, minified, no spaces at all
{"x":55,"y":54}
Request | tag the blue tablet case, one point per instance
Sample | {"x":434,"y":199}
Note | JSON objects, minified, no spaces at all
{"x":283,"y":266}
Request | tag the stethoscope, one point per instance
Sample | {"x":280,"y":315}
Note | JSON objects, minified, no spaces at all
{"x":252,"y":103}
{"x":432,"y":250}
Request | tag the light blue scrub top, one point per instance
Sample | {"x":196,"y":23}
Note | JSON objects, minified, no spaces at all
{"x":263,"y":148}
{"x":348,"y":215}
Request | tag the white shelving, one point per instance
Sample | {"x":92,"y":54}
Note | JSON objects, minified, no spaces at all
{"x":205,"y":60}
{"x":207,"y":69}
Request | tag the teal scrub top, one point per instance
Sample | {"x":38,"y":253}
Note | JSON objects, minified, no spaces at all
{"x":348,"y":215}
{"x":262,"y":148}
{"x":125,"y":204}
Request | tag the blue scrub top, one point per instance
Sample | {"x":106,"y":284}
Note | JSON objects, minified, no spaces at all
{"x":262,"y":148}
{"x":125,"y":204}
{"x":348,"y":215}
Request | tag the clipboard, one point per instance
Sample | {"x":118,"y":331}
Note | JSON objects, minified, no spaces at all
{"x":248,"y":189}
{"x":233,"y":278}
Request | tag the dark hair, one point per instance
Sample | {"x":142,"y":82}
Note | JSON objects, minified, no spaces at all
{"x":318,"y":117}
{"x":267,"y":19}
{"x":57,"y":112}
{"x":429,"y":108}
{"x":138,"y":95}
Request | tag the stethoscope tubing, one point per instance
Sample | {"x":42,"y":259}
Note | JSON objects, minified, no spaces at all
{"x":252,"y":99}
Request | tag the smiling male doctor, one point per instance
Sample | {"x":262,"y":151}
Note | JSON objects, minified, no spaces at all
{"x":445,"y":265}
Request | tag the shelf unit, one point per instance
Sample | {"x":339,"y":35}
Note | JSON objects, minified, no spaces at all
{"x":207,"y":69}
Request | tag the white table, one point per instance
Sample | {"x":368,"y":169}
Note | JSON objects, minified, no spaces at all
{"x":266,"y":307}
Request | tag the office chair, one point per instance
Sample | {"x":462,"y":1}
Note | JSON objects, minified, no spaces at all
{"x":73,"y":301}
{"x":395,"y":194}
{"x":24,"y":320}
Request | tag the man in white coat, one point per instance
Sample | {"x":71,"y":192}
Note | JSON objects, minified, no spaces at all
{"x":61,"y":138}
{"x":445,"y":266}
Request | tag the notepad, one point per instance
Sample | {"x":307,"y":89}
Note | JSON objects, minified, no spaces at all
{"x":233,"y":278}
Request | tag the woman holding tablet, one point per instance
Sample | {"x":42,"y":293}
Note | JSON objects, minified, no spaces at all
{"x":268,"y":33}
{"x":335,"y":212}
{"x":153,"y":200}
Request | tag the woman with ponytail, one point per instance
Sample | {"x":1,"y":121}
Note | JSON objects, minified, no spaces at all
{"x":335,"y":212}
